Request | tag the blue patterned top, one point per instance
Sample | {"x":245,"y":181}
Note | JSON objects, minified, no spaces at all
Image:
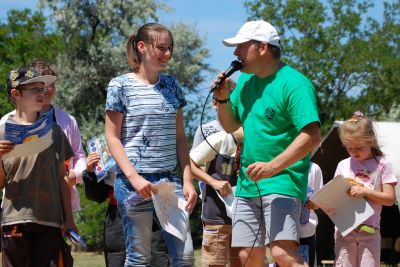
{"x":148,"y":131}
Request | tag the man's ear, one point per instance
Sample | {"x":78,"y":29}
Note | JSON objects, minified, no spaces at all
{"x":263,"y":48}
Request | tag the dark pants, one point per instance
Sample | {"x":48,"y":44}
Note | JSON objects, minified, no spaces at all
{"x":31,"y":244}
{"x":114,"y":242}
{"x":310,"y":242}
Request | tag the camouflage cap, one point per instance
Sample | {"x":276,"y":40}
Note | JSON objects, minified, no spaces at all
{"x":27,"y":75}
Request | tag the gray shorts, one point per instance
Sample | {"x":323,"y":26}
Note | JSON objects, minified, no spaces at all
{"x":281,"y":218}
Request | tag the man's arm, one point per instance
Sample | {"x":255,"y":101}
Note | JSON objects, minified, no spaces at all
{"x":224,"y":110}
{"x":304,"y":143}
{"x":227,"y":118}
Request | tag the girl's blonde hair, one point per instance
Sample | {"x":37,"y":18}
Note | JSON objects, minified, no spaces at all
{"x":360,"y":128}
{"x":147,"y":33}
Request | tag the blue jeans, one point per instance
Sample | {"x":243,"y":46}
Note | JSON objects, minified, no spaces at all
{"x":138,"y":220}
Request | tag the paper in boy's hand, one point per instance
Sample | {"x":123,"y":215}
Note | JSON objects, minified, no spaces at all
{"x":345,"y":212}
{"x":106,"y":163}
{"x":229,"y":201}
{"x":29,"y":139}
{"x":170,"y":210}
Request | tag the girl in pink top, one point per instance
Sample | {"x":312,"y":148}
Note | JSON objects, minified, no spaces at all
{"x":374,"y":179}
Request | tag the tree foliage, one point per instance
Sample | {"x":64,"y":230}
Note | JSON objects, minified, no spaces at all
{"x":352,"y":59}
{"x":23,"y":37}
{"x":95,"y":34}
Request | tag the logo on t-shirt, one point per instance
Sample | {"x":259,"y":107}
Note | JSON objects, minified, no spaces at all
{"x":269,"y":113}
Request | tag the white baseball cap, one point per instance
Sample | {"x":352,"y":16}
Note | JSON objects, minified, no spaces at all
{"x":258,"y":30}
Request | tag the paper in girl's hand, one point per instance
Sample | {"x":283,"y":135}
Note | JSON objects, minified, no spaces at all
{"x":345,"y":212}
{"x":170,"y":210}
{"x":229,"y":201}
{"x":29,"y":139}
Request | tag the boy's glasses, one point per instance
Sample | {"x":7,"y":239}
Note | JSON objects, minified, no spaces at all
{"x":35,"y":90}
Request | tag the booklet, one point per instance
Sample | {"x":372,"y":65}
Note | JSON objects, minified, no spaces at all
{"x":345,"y":212}
{"x":29,"y":139}
{"x":170,"y":210}
{"x":106,"y":165}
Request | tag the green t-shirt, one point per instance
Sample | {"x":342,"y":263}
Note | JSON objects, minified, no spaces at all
{"x":273,"y":111}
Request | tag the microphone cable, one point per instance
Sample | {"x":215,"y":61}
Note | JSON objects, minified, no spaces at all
{"x":227,"y":157}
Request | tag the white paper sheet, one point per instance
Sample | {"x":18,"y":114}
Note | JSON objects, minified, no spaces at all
{"x":229,"y":201}
{"x":345,"y":212}
{"x":170,"y":210}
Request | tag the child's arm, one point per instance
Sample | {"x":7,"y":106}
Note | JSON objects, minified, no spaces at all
{"x":5,"y":147}
{"x":96,"y":191}
{"x":386,"y":197}
{"x":222,"y":186}
{"x":66,"y":200}
{"x":113,"y":126}
{"x":184,"y":162}
{"x":79,"y":159}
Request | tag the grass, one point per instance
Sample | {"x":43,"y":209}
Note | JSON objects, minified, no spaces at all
{"x":93,"y":259}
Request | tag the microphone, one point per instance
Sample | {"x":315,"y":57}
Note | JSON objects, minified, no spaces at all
{"x":235,"y":66}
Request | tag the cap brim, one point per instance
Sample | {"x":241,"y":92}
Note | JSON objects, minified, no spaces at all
{"x":46,"y":79}
{"x":234,"y":41}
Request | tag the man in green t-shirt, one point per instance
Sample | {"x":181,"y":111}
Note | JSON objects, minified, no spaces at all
{"x":277,"y":107}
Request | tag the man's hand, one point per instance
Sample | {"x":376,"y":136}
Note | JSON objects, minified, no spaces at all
{"x":223,"y":187}
{"x":260,"y":170}
{"x":224,"y":89}
{"x":190,"y":195}
{"x":5,"y":147}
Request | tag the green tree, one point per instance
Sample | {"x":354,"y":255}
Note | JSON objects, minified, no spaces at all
{"x":352,"y":59}
{"x":23,"y":37}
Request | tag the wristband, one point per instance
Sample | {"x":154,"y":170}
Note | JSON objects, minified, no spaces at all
{"x":222,"y":101}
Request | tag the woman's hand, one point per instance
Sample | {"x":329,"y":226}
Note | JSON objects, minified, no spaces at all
{"x":143,"y":187}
